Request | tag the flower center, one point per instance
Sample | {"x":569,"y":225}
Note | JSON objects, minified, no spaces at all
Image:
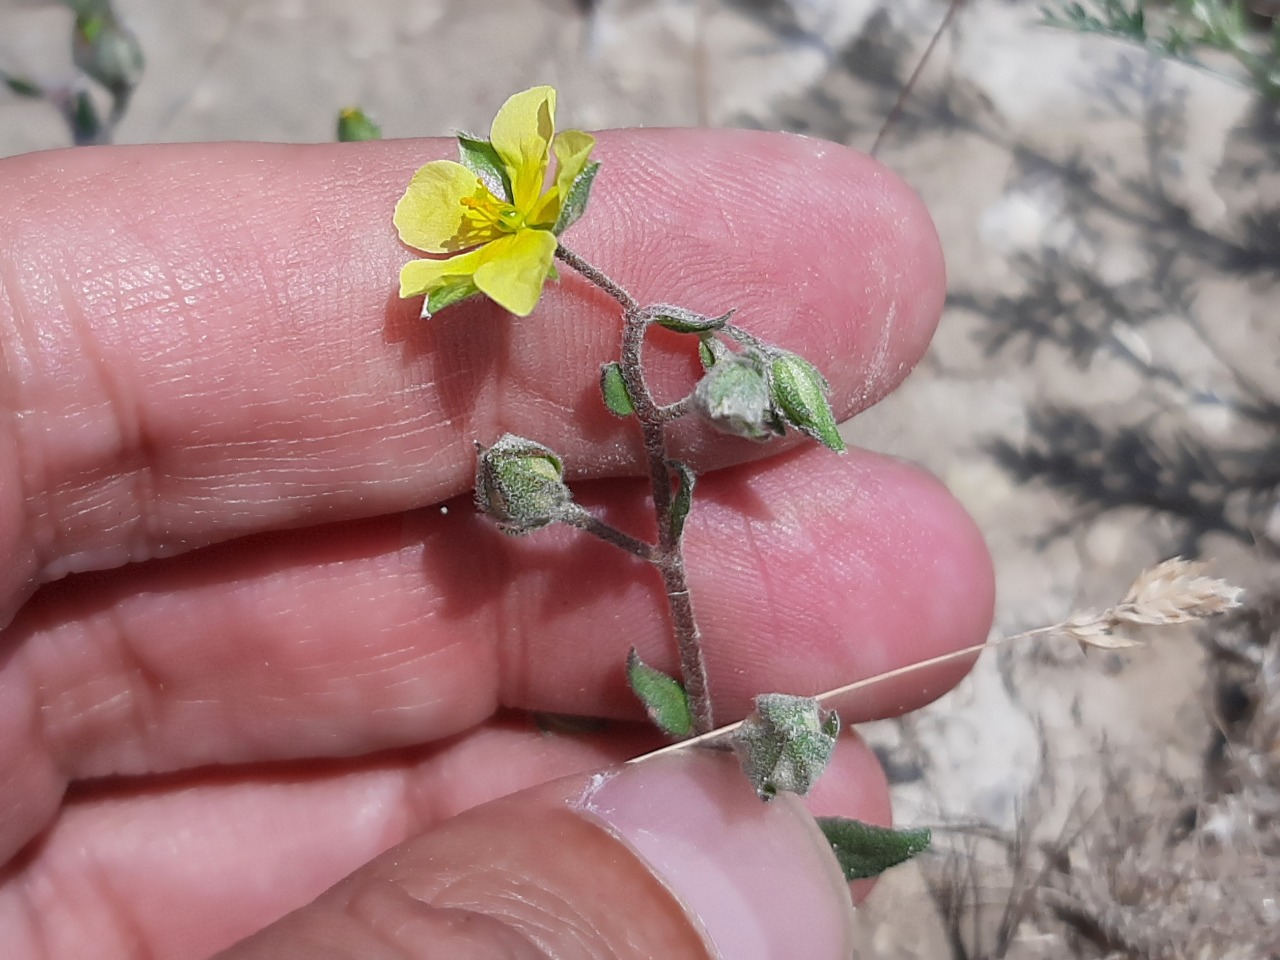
{"x":487,"y":214}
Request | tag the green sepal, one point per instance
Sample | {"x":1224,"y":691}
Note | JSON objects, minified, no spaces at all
{"x":864,"y":850}
{"x":663,"y":697}
{"x":355,"y":126}
{"x":680,"y":320}
{"x":682,"y":498}
{"x":575,"y":204}
{"x":711,"y":351}
{"x":443,"y":297}
{"x":19,"y":86}
{"x":482,"y":159}
{"x":799,"y":394}
{"x":614,"y":390}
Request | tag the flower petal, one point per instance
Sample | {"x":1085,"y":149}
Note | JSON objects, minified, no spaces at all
{"x":426,"y":276}
{"x":515,"y":269}
{"x":573,"y":150}
{"x":522,"y":133}
{"x":430,"y":215}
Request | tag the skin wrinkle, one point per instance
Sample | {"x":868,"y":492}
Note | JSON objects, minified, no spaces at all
{"x":28,"y":459}
{"x":135,"y":450}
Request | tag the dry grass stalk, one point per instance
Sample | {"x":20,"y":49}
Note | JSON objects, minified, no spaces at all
{"x":1172,"y":592}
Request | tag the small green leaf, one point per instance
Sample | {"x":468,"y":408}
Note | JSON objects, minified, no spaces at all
{"x":575,"y":204}
{"x":865,"y":851}
{"x":614,"y":390}
{"x":663,"y":697}
{"x":19,"y":86}
{"x":480,"y":158}
{"x":683,"y":497}
{"x":711,"y":351}
{"x":800,"y":394}
{"x":355,"y":126}
{"x":447,"y":296}
{"x":681,"y":320}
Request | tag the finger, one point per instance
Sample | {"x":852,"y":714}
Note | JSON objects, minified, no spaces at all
{"x":205,"y":341}
{"x":184,"y":869}
{"x":673,"y":859}
{"x":349,"y":640}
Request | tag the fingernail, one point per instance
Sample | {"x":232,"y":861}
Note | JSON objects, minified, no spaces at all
{"x":758,"y":878}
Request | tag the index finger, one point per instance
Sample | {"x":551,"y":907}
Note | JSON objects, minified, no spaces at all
{"x":205,"y":341}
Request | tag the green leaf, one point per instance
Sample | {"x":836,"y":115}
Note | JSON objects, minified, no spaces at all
{"x":683,"y":498}
{"x":614,"y":390}
{"x":437,"y":300}
{"x":865,"y":851}
{"x":575,"y":204}
{"x":711,"y":351}
{"x":19,"y":86}
{"x":681,"y":320}
{"x":480,"y":158}
{"x":663,"y":697}
{"x":355,"y":126}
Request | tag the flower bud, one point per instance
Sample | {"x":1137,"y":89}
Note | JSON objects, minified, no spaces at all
{"x":786,"y":743}
{"x":520,"y":485}
{"x":734,"y":396}
{"x":107,"y":51}
{"x":799,"y":392}
{"x":354,"y":126}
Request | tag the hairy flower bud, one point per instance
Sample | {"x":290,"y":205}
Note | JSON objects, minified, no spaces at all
{"x":786,"y":743}
{"x":799,"y":393}
{"x":520,"y":484}
{"x":734,"y":396}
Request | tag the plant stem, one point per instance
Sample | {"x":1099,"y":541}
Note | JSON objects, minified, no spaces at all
{"x":668,"y":554}
{"x":598,"y":277}
{"x":623,"y":541}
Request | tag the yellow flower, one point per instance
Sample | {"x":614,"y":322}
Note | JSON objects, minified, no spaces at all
{"x":492,"y":212}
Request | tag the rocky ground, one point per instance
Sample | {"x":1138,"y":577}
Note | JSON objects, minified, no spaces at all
{"x":1103,"y":392}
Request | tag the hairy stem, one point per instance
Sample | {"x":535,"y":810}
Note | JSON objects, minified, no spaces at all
{"x":623,"y":541}
{"x":598,"y":277}
{"x":668,"y":554}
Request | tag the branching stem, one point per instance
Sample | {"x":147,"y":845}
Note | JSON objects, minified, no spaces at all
{"x":668,"y":554}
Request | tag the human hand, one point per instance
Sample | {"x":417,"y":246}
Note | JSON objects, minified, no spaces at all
{"x":246,"y":656}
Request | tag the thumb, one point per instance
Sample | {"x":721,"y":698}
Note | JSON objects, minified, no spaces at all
{"x":671,"y":857}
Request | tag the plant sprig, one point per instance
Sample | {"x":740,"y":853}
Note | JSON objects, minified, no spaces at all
{"x":498,"y":213}
{"x":1181,"y":34}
